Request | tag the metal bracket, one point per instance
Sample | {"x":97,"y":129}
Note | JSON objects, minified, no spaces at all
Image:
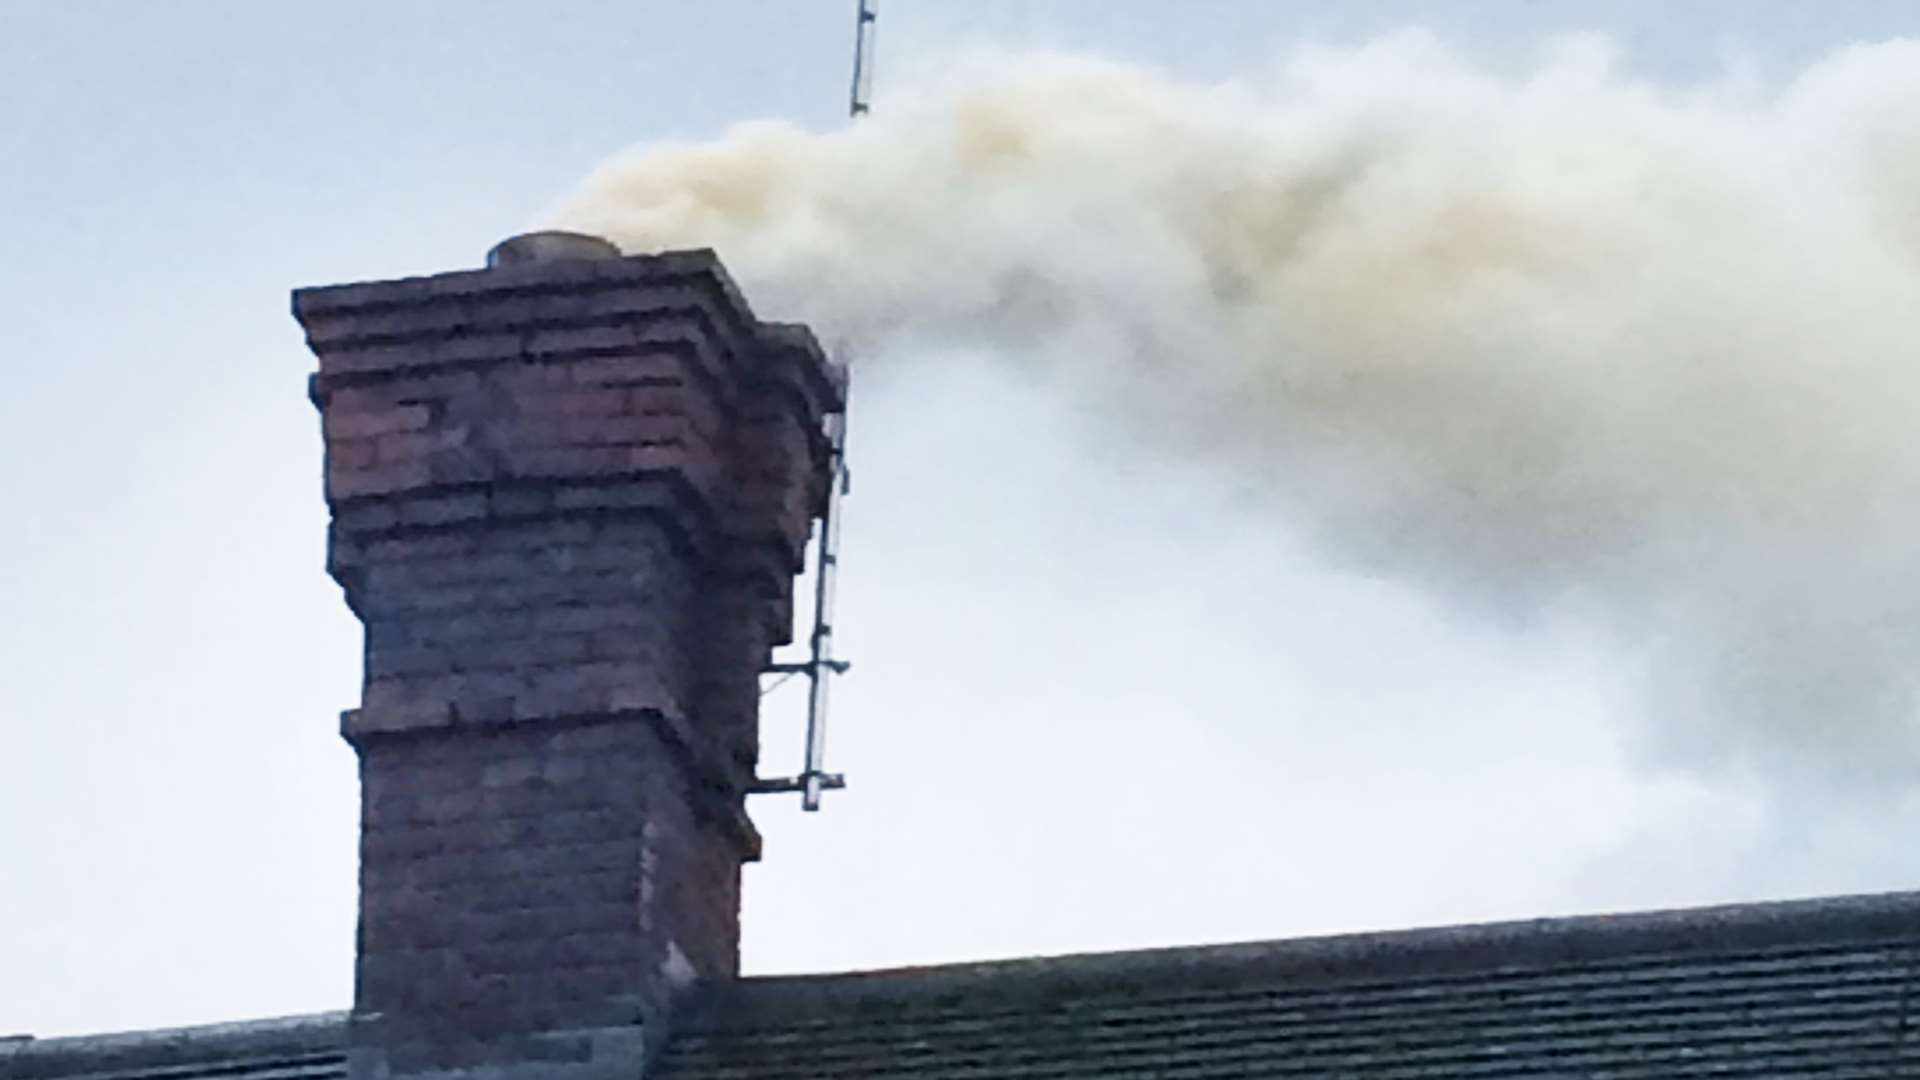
{"x":807,"y":667}
{"x":777,"y":785}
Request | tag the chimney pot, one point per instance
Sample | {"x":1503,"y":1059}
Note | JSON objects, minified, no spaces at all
{"x":551,"y":245}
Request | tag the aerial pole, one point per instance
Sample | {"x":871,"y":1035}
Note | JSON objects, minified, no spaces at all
{"x":866,"y":20}
{"x":814,"y":781}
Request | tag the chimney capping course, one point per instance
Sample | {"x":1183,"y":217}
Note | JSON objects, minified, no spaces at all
{"x":699,"y":265}
{"x":440,"y":325}
{"x":667,"y":320}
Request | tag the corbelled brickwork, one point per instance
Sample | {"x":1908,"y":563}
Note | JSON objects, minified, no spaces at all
{"x":569,"y":496}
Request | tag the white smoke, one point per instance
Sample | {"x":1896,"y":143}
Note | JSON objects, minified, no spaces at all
{"x":1564,"y":344}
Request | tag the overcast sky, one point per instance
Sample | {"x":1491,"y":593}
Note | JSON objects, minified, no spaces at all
{"x":1099,"y":701}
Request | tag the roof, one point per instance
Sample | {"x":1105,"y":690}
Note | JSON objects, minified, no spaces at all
{"x":287,"y":1048}
{"x":1781,"y":991}
{"x":1777,"y":991}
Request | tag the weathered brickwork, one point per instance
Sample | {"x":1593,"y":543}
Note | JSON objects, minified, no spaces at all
{"x":568,"y":500}
{"x":522,"y":887}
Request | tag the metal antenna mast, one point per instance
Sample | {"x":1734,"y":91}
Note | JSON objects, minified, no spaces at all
{"x":864,"y":27}
{"x":814,"y":780}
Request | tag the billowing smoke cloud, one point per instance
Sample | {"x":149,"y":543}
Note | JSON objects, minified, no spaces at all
{"x":1564,"y":345}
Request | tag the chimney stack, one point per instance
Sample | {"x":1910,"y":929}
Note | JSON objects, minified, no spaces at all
{"x":569,"y":494}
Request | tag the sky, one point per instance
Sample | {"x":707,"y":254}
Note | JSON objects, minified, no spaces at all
{"x":1101,"y":697}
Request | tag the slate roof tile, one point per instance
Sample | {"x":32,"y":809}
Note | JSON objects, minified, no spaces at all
{"x":1773,"y":991}
{"x":285,"y":1048}
{"x":1789,"y":991}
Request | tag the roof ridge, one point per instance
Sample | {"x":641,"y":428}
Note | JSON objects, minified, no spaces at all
{"x":1769,"y":927}
{"x":141,"y":1051}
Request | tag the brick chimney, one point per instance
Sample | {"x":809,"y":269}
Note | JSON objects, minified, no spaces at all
{"x":569,"y":494}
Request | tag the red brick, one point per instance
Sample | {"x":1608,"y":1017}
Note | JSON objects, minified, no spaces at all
{"x":343,"y":424}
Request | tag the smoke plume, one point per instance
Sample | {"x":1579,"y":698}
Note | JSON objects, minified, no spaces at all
{"x":1556,"y":345}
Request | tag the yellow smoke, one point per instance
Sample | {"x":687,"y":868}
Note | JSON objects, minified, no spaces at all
{"x":1561,"y":343}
